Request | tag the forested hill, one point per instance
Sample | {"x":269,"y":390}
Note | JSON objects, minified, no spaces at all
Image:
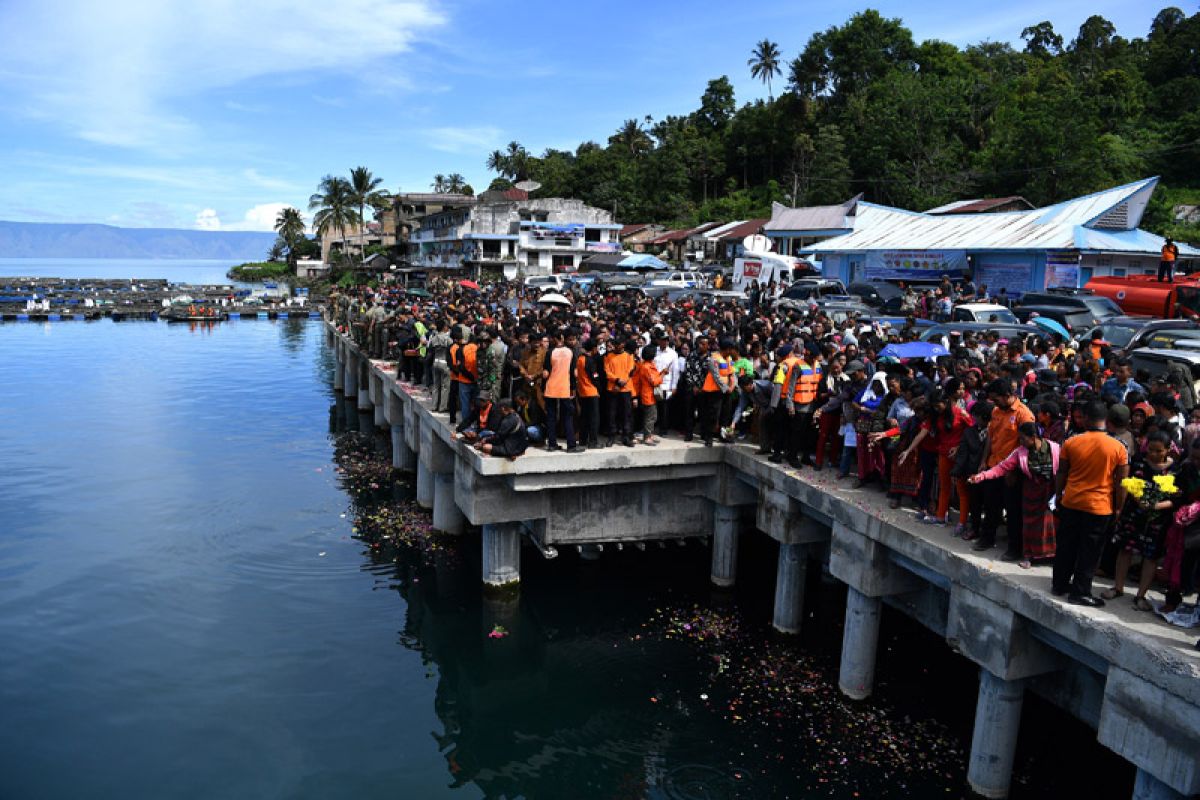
{"x":56,"y":240}
{"x":863,"y":107}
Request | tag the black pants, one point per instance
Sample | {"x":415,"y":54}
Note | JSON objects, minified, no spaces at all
{"x":710,"y":408}
{"x":999,"y":499}
{"x":1166,"y":271}
{"x":620,"y":415}
{"x":605,"y":404}
{"x":686,"y":407}
{"x":1080,"y":538}
{"x":1187,"y":576}
{"x":557,"y":408}
{"x":452,"y":406}
{"x":589,"y":423}
{"x":800,"y":429}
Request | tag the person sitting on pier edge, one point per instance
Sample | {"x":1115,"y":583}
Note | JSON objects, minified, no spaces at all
{"x":509,"y":441}
{"x":531,"y":415}
{"x":482,"y":421}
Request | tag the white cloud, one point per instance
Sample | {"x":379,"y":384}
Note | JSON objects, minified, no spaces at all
{"x":207,"y":220}
{"x":259,"y":218}
{"x":465,"y":140}
{"x":110,"y":71}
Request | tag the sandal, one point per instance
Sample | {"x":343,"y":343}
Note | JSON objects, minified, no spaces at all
{"x":1025,"y":564}
{"x":1142,"y":604}
{"x":1111,"y":594}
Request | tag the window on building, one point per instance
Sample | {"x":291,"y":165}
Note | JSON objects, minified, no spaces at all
{"x":591,"y":235}
{"x":525,"y":216}
{"x":562,"y":263}
{"x":1118,"y":272}
{"x":541,"y":216}
{"x":532,"y":258}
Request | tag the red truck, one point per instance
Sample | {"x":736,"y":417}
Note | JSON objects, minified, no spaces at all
{"x":1143,"y":294}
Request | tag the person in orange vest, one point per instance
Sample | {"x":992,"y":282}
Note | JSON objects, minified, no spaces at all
{"x":718,"y":383}
{"x":454,"y":362}
{"x":589,"y":375}
{"x":799,"y":395}
{"x":781,"y":422}
{"x":559,"y":373}
{"x":645,"y":378}
{"x":1166,"y":264}
{"x":467,"y":390}
{"x":619,"y":368}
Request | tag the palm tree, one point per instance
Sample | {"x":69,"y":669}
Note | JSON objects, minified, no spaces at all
{"x":439,"y":183}
{"x":334,"y":203}
{"x":455,"y":183}
{"x":632,"y":137}
{"x":290,"y":227}
{"x":517,"y":161}
{"x":364,"y":190}
{"x":764,"y":63}
{"x":498,"y":162}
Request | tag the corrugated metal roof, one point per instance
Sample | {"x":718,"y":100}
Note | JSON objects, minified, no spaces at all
{"x":810,"y":218}
{"x":722,"y":229}
{"x":978,"y":206}
{"x":743,"y":229}
{"x":1055,"y":227}
{"x":675,"y":236}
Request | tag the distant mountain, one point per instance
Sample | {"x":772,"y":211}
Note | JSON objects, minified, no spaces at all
{"x":56,"y":240}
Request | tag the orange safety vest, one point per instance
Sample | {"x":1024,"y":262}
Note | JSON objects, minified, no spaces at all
{"x":469,"y":362}
{"x":806,"y":382}
{"x":724,"y":369}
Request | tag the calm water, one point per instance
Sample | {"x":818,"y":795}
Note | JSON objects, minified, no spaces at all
{"x":184,"y":614}
{"x":194,"y":271}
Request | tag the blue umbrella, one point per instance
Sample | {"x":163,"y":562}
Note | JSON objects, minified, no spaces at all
{"x":914,"y":350}
{"x":643,"y":261}
{"x":1051,"y":325}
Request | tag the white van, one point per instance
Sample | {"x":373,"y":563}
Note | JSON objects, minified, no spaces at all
{"x":546,"y":283}
{"x":679,"y":280}
{"x":765,"y":267}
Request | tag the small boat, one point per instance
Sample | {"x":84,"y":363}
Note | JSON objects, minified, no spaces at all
{"x":195,"y":314}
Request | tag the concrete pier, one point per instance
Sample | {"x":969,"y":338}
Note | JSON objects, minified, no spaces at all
{"x":446,"y":516}
{"x":350,"y":379}
{"x":501,"y":554}
{"x":860,"y":640}
{"x":424,"y":485}
{"x":1124,"y":674}
{"x":994,"y":742}
{"x":789,"y":588}
{"x":364,"y":385}
{"x":726,"y":526}
{"x":339,"y":368}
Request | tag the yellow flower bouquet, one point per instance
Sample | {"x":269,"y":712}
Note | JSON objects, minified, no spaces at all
{"x":1135,"y":486}
{"x":1166,"y":484}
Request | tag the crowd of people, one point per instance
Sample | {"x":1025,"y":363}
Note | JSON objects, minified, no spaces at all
{"x":1053,"y":448}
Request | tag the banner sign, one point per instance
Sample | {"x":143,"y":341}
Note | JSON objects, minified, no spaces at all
{"x":1062,"y":269}
{"x":603,"y":247}
{"x":751,"y":269}
{"x":1015,"y":278}
{"x":915,"y":265}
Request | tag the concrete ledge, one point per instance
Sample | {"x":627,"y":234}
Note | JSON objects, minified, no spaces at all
{"x":996,"y":638}
{"x":1155,"y":730}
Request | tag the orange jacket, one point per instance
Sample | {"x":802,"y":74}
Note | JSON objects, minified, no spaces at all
{"x":645,"y":377}
{"x":583,"y":382}
{"x":619,"y":366}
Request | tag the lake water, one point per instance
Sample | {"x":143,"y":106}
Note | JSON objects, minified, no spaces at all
{"x":195,"y":271}
{"x":185,"y":613}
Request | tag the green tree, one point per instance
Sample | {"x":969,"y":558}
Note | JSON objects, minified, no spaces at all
{"x":632,"y":138}
{"x":289,"y":224}
{"x":335,"y":204}
{"x":1042,"y":41}
{"x":455,"y":183}
{"x":764,"y":63}
{"x":439,"y":184}
{"x":364,"y":191}
{"x":716,"y":106}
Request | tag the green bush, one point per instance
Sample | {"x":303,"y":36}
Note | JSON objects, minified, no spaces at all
{"x":258,"y":271}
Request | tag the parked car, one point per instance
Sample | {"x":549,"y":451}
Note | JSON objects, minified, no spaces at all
{"x":546,"y":283}
{"x":1076,"y":321}
{"x":1127,"y":334}
{"x":1005,"y":330}
{"x":982,"y":312}
{"x":1100,"y":307}
{"x":1157,"y":362}
{"x":885,"y":296}
{"x":807,"y":289}
{"x":1169,"y":338}
{"x":679,"y":280}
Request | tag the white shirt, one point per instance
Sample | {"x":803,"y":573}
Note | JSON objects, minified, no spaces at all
{"x":664,"y":362}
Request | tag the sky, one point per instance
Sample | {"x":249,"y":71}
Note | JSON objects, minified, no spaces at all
{"x":214,"y":114}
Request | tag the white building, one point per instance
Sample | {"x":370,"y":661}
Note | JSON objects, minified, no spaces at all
{"x":537,"y":237}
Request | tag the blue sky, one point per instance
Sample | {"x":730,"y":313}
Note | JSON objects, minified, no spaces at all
{"x":216,"y":113}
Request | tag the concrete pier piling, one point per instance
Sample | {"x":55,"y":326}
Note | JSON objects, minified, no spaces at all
{"x":446,"y":516}
{"x":350,"y":380}
{"x":502,"y":554}
{"x":726,"y":527}
{"x":994,"y":741}
{"x":789,"y":588}
{"x":860,"y":640}
{"x":424,"y":484}
{"x":339,"y":370}
{"x":1139,"y":692}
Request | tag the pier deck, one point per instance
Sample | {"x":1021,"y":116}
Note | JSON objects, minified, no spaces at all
{"x":1127,"y":674}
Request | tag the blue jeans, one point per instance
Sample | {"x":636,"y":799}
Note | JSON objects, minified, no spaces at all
{"x":467,"y":392}
{"x":849,"y":459}
{"x":533,"y":433}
